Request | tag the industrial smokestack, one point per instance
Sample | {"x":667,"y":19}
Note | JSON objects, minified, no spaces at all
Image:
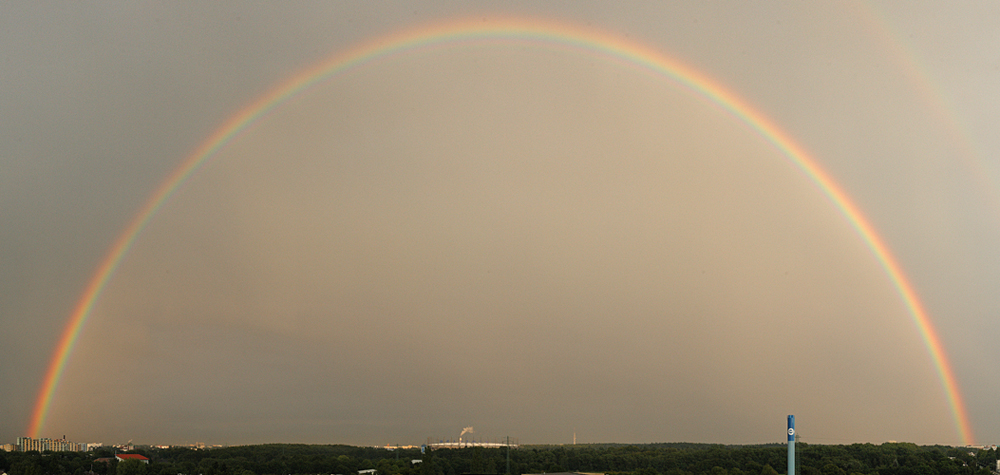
{"x":791,"y":444}
{"x":464,"y":431}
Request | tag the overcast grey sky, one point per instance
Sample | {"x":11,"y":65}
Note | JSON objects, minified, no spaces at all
{"x":529,"y":240}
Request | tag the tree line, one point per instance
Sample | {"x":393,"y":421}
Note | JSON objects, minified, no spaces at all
{"x":613,"y":459}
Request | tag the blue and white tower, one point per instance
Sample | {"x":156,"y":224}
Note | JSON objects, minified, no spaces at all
{"x":791,"y":444}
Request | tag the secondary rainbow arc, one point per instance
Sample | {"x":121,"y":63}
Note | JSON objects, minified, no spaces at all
{"x":557,"y":34}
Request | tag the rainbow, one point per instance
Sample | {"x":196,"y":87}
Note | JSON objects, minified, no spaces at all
{"x":926,"y":88}
{"x":536,"y":32}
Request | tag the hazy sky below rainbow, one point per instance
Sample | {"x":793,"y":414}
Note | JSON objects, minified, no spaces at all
{"x":509,"y":234}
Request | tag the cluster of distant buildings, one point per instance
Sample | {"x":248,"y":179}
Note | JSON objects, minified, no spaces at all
{"x":25,"y":444}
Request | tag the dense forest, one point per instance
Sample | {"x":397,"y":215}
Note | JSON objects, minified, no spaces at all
{"x":650,"y":459}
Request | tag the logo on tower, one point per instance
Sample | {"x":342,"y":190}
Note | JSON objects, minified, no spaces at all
{"x":791,"y":431}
